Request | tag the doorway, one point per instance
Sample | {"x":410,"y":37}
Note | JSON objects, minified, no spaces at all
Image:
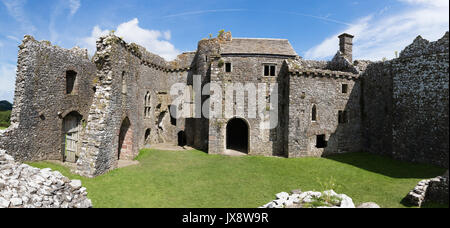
{"x":237,"y":136}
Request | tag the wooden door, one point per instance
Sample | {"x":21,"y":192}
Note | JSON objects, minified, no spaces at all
{"x":71,"y":138}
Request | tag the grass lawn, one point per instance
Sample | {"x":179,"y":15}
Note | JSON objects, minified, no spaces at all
{"x":3,"y":128}
{"x":194,"y":179}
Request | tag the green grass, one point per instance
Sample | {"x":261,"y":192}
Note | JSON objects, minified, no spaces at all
{"x":5,"y":117}
{"x":194,"y":179}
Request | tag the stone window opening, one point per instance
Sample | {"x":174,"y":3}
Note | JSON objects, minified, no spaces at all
{"x":71,"y":77}
{"x":147,"y":105}
{"x":314,"y":113}
{"x":161,"y":117}
{"x":124,"y":83}
{"x":343,"y":117}
{"x":228,"y":67}
{"x":173,"y":114}
{"x":344,"y":88}
{"x":269,"y":70}
{"x":321,"y":141}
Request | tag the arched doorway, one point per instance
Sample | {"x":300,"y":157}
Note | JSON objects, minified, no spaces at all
{"x":181,"y":138}
{"x":125,"y":149}
{"x":237,"y":135}
{"x":71,"y":135}
{"x":147,"y":136}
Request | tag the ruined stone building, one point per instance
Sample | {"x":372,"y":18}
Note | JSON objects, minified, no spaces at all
{"x":94,"y":112}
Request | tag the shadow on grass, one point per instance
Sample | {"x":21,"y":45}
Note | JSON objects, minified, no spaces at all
{"x":387,"y":166}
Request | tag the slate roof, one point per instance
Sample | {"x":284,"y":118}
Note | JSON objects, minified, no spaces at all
{"x":258,"y":46}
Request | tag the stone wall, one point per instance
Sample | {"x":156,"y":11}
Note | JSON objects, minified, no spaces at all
{"x":377,"y":108}
{"x":324,"y":91}
{"x":118,"y":118}
{"x":122,"y":99}
{"x":437,"y":191}
{"x":41,"y":100}
{"x":430,"y":191}
{"x":405,"y":108}
{"x":248,"y":70}
{"x":420,"y":102}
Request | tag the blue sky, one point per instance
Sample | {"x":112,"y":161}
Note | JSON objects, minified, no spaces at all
{"x":168,"y":27}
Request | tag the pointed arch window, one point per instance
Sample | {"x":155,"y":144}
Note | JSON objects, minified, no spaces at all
{"x":147,"y":105}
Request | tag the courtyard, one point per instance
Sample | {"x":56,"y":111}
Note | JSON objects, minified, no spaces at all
{"x":194,"y":179}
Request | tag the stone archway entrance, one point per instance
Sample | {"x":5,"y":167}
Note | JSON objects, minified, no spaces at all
{"x":71,"y":136}
{"x":237,"y":136}
{"x":125,"y":147}
{"x":147,"y":136}
{"x":181,"y":138}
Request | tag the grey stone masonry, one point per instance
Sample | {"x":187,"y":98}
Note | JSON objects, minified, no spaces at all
{"x":430,"y":191}
{"x":322,"y":91}
{"x":95,"y":112}
{"x":41,"y":100}
{"x":411,"y":121}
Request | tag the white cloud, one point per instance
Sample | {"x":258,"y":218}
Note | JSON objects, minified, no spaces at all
{"x":14,"y":38}
{"x":438,"y":3}
{"x":167,"y":35}
{"x":381,"y":35}
{"x":330,"y":46}
{"x":153,"y":40}
{"x":7,"y":81}
{"x":90,"y":42}
{"x":16,"y":10}
{"x":74,"y":5}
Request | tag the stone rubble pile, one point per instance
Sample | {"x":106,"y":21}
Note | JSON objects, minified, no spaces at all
{"x":326,"y":199}
{"x":432,"y":190}
{"x":417,"y":196}
{"x":300,"y":199}
{"x":22,"y":186}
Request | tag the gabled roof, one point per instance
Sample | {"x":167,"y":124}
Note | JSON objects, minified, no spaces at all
{"x":258,"y":46}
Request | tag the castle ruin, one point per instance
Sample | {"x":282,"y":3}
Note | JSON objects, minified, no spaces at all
{"x":95,"y":112}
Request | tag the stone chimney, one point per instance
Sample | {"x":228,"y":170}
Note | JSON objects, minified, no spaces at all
{"x":346,"y":46}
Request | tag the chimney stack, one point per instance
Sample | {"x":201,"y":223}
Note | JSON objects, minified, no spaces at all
{"x":346,"y":46}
